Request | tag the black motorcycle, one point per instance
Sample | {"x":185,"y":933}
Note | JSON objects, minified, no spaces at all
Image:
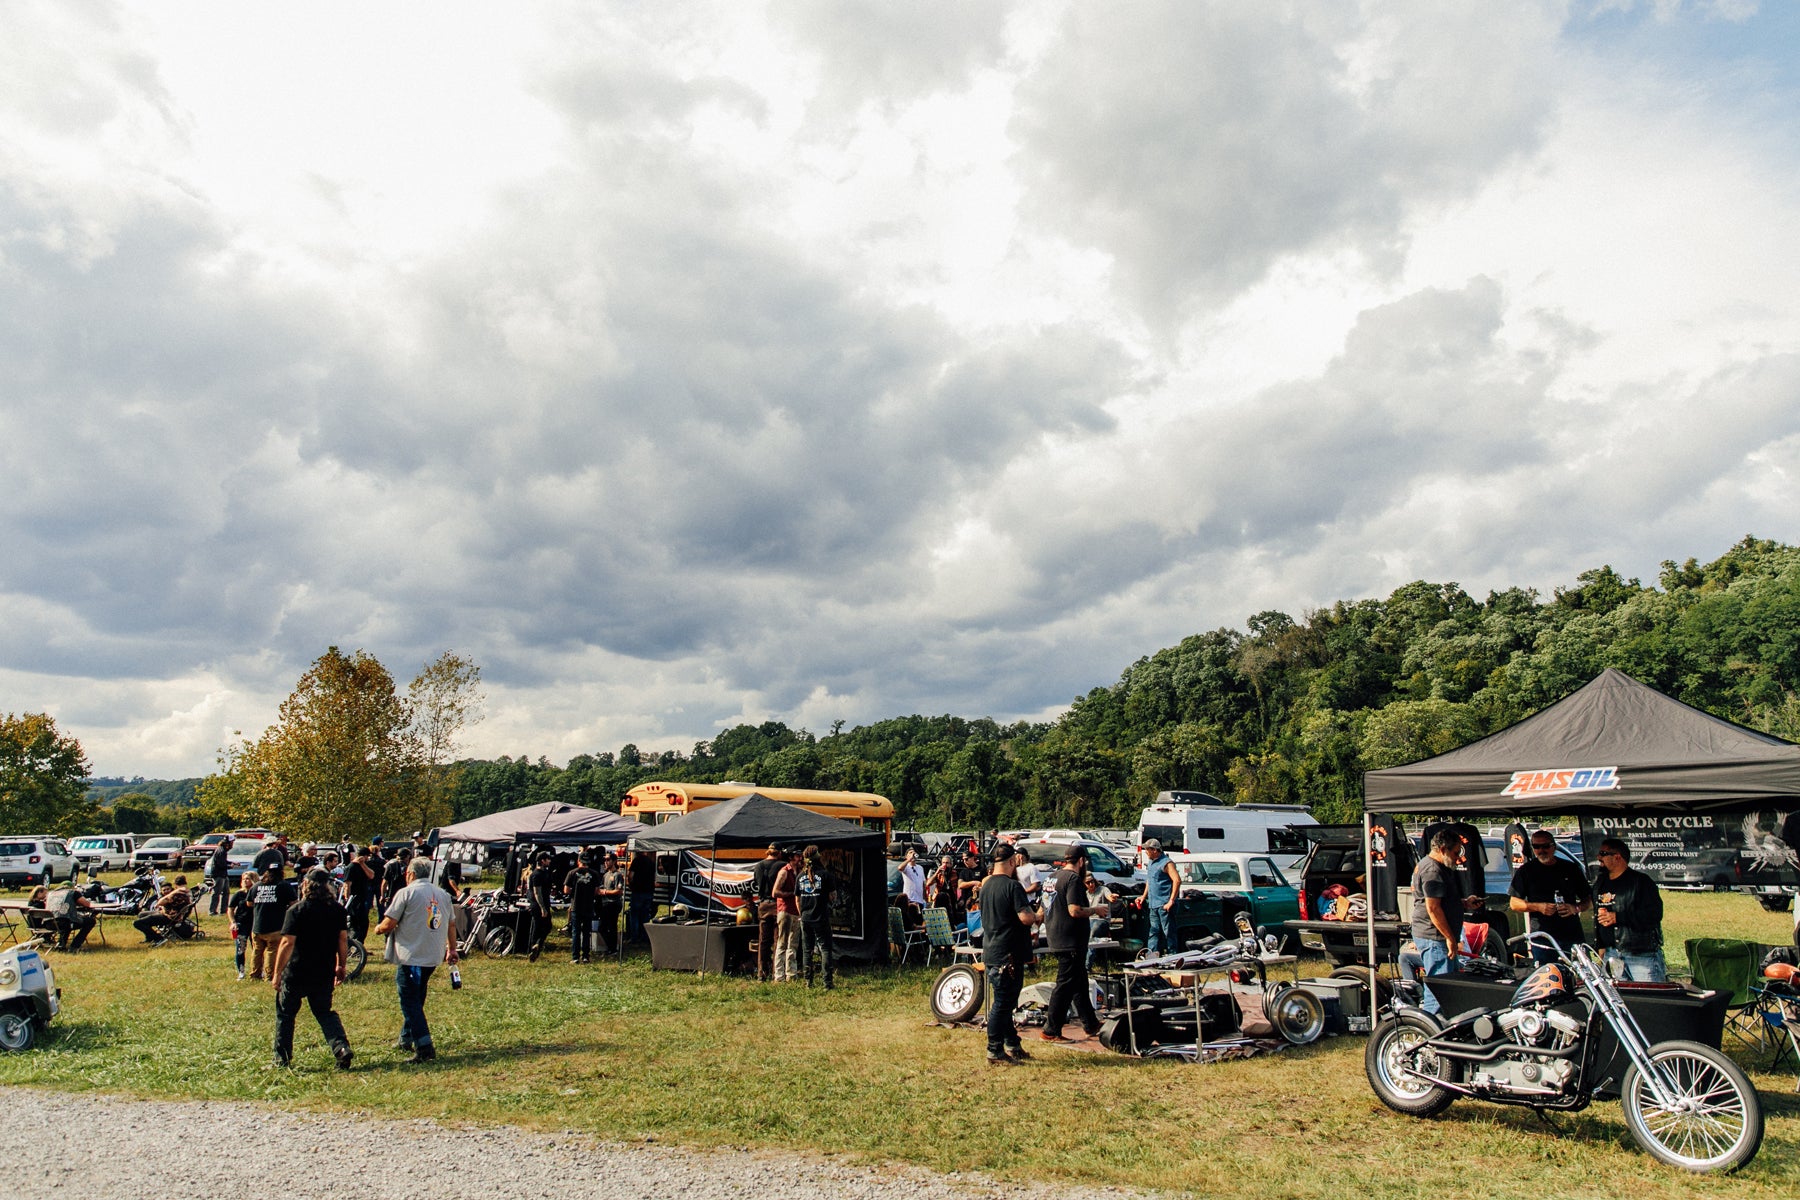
{"x":1685,"y":1103}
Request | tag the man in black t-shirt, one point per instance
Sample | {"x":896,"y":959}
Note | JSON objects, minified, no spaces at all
{"x":393,"y":875}
{"x":273,"y":854}
{"x":1553,"y":894}
{"x":218,"y":869}
{"x":762,"y":884}
{"x":581,"y":886}
{"x":1006,"y":921}
{"x":640,"y":881}
{"x":359,"y":893}
{"x":1066,"y":925}
{"x":540,"y":889}
{"x":311,"y":959}
{"x":271,"y":899}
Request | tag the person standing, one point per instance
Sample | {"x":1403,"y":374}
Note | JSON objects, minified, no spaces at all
{"x":787,"y":920}
{"x":311,"y":959}
{"x":640,"y":879}
{"x":273,"y":854}
{"x":1552,"y":894}
{"x":218,"y":869}
{"x":942,"y":892}
{"x":359,"y":893}
{"x":540,"y":891}
{"x":912,"y":888}
{"x":273,"y":895}
{"x":393,"y":875}
{"x":243,"y":916}
{"x":1006,"y":921}
{"x":817,"y":889}
{"x":1437,"y":912}
{"x":610,"y":897}
{"x":579,"y":887}
{"x":1159,"y":898}
{"x":417,"y":927}
{"x":1066,"y":926}
{"x":762,"y":888}
{"x":1628,"y":917}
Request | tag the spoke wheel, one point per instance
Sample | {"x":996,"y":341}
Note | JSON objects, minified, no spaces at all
{"x":358,"y":959}
{"x":1394,"y":1047}
{"x":1715,"y":1122}
{"x":497,"y":942}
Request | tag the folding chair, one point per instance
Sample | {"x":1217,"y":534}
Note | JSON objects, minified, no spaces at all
{"x":1732,"y":966}
{"x":903,"y":938}
{"x":1778,"y":1008}
{"x":940,"y":934}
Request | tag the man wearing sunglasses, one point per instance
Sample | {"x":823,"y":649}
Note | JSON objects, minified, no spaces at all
{"x":1628,"y":917}
{"x":1552,"y":894}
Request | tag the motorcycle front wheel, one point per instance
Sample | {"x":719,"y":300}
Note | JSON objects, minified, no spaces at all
{"x":1394,"y":1047}
{"x":1715,"y":1122}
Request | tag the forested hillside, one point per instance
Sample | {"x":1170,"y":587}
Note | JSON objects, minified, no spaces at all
{"x":1290,"y":709}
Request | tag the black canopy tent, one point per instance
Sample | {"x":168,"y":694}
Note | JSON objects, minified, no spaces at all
{"x":1625,"y":758}
{"x":753,"y":821}
{"x":1614,"y":746}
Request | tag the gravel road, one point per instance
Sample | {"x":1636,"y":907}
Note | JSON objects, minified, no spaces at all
{"x":110,"y":1148}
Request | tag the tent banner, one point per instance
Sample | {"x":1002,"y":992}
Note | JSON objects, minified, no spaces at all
{"x":705,"y":885}
{"x":1752,"y":849}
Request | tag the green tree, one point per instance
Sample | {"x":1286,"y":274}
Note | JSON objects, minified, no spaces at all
{"x":1409,"y":730}
{"x":43,"y":777}
{"x":135,"y":812}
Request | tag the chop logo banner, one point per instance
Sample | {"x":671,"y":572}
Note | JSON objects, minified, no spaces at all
{"x":702,"y":885}
{"x":1562,"y":781}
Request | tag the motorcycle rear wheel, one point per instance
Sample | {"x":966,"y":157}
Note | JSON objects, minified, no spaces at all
{"x":1391,"y":1047}
{"x":1717,"y":1121}
{"x":498,"y":941}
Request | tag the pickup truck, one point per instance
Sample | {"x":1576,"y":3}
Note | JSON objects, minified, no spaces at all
{"x":1273,"y":900}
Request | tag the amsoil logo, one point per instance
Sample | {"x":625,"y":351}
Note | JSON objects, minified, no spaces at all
{"x":1562,"y":782}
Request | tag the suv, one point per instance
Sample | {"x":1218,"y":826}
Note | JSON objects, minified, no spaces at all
{"x":33,"y":859}
{"x":159,"y":852}
{"x":195,"y":854}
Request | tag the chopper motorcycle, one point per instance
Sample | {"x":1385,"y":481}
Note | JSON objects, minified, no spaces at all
{"x":1686,"y":1104}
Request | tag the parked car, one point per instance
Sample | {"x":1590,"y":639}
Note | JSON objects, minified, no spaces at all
{"x":161,"y":851}
{"x":1106,"y":865}
{"x":195,"y":854}
{"x":241,"y":856}
{"x":1692,"y":871}
{"x":33,"y":859}
{"x":1273,"y":900}
{"x":104,"y":851}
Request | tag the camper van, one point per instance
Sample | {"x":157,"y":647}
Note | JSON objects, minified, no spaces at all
{"x":1195,"y":822}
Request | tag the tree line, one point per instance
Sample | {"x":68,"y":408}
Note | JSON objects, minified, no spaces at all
{"x":1287,"y":709}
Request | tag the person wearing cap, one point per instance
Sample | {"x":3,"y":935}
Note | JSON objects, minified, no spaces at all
{"x":417,"y":926}
{"x":1159,"y":898}
{"x":311,"y":959}
{"x":762,"y":885}
{"x":1066,"y":919}
{"x":273,"y":854}
{"x":540,"y":889}
{"x":817,"y":887}
{"x":581,"y":886}
{"x":609,"y":896}
{"x":1006,"y":921}
{"x":393,"y":875}
{"x":218,"y":869}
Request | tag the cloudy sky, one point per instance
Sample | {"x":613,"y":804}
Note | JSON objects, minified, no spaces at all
{"x":687,"y":364}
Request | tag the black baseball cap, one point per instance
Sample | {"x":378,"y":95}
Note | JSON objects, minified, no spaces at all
{"x":1004,"y":852}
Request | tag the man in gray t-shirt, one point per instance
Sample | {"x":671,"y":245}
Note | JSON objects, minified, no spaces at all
{"x":418,"y":926}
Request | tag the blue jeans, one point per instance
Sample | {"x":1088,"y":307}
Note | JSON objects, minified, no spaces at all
{"x":643,"y":908}
{"x":1435,"y":958}
{"x":1162,"y":931}
{"x":1003,"y":998}
{"x":411,"y":982}
{"x":1639,"y":968}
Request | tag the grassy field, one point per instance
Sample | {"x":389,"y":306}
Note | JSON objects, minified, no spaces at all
{"x":623,"y":1052}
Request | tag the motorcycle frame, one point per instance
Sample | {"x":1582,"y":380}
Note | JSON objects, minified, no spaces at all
{"x":1601,"y":996}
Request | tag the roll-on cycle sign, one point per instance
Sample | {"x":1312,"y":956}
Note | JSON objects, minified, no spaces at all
{"x":1562,"y":781}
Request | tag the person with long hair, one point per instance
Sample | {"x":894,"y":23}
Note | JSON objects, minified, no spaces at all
{"x":311,"y":959}
{"x":243,"y":913}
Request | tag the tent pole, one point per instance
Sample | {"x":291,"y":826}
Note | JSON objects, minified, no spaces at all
{"x":711,"y":883}
{"x":1368,"y":917}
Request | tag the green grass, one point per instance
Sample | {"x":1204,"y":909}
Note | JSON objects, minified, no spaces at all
{"x":621,"y":1053}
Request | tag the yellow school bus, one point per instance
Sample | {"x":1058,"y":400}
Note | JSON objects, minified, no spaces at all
{"x":654,"y":803}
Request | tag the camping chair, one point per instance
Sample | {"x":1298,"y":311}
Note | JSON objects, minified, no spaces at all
{"x":905,"y":939}
{"x":940,"y":934}
{"x":1732,"y":966}
{"x":1778,"y":1008}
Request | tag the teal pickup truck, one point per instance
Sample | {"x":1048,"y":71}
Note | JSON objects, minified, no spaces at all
{"x":1255,"y":877}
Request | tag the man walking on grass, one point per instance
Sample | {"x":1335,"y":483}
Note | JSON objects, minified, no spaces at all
{"x":417,"y":927}
{"x":311,"y":959}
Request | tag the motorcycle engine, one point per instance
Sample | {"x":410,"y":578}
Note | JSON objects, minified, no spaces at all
{"x":1523,"y":1071}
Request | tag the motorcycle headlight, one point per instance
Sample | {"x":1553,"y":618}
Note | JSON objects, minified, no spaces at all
{"x":8,"y":977}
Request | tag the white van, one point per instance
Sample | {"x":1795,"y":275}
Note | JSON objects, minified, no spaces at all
{"x":104,"y":851}
{"x":1185,"y":825}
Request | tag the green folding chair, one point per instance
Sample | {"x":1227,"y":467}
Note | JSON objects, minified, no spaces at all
{"x":1732,"y":966}
{"x":905,"y":939}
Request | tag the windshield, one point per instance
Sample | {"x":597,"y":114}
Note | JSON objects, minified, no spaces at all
{"x":168,"y":843}
{"x":89,"y":843}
